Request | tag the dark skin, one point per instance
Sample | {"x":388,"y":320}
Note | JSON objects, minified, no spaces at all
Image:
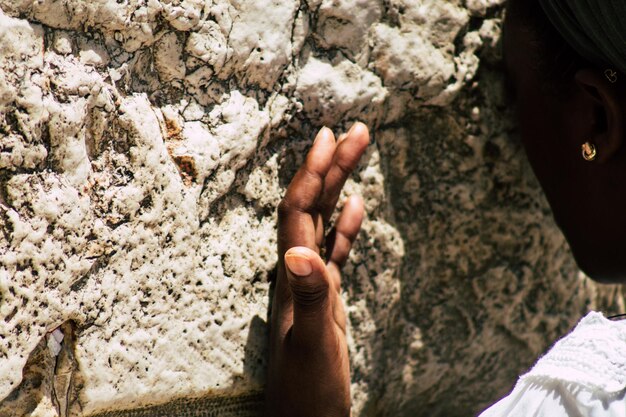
{"x":309,"y":369}
{"x":588,"y":199}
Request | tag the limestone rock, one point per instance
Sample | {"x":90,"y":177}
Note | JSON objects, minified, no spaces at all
{"x":145,"y":146}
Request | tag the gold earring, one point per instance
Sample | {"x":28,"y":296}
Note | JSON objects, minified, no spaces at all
{"x":610,"y":75}
{"x":589,"y":151}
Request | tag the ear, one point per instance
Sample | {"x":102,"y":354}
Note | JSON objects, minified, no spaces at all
{"x":607,"y":131}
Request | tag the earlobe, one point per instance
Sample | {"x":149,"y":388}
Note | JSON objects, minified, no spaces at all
{"x":607,"y":112}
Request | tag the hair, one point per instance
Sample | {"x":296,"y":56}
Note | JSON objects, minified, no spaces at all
{"x":554,"y":57}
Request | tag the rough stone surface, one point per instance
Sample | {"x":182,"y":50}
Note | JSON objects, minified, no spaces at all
{"x":145,"y":145}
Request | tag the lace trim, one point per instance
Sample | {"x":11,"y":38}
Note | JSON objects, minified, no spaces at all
{"x":592,"y":355}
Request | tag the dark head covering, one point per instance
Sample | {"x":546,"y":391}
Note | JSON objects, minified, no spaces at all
{"x":596,"y":29}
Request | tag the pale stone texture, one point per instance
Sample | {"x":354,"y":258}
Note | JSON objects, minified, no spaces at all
{"x":145,"y":145}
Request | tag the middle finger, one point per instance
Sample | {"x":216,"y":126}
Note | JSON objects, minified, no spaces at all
{"x":345,"y":160}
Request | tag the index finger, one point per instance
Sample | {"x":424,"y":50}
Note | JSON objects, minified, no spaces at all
{"x":297,"y":214}
{"x":297,"y":211}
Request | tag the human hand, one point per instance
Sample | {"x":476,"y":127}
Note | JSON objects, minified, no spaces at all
{"x":309,"y":371}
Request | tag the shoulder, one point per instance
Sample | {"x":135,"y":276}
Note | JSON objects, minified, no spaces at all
{"x":583,"y":374}
{"x":593,"y":356}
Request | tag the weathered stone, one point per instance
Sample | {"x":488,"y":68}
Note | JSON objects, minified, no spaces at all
{"x":144,"y":148}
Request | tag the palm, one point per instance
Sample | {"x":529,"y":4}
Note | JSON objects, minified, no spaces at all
{"x":309,"y":369}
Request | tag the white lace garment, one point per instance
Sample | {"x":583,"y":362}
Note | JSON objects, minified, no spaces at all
{"x":583,"y":375}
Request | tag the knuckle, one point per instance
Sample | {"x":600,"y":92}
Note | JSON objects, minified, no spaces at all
{"x":308,"y":295}
{"x":284,"y":208}
{"x":350,"y":236}
{"x":345,"y":168}
{"x":293,"y":204}
{"x":340,"y":260}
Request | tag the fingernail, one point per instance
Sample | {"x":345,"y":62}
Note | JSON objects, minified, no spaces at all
{"x":320,"y":134}
{"x":298,"y":265}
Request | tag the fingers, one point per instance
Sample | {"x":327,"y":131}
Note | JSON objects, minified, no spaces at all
{"x":295,"y":221}
{"x":343,"y":235}
{"x":298,"y":222}
{"x":346,"y":157}
{"x":312,"y":283}
{"x":313,"y":316}
{"x":313,"y":194}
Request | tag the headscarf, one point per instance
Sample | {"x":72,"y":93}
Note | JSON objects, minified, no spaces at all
{"x":596,"y":29}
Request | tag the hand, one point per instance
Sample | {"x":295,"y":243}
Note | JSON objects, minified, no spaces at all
{"x":309,"y":371}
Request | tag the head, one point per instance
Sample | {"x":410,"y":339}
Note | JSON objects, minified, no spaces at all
{"x":563,"y":101}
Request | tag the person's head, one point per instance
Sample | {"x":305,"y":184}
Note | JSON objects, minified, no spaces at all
{"x":564,"y":100}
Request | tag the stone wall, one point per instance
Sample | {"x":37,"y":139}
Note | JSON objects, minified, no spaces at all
{"x":145,"y":145}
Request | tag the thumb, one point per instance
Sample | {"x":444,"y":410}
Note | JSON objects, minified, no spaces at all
{"x":310,"y":290}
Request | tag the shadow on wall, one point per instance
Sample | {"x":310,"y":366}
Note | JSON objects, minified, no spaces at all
{"x":485,"y":281}
{"x":50,"y":377}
